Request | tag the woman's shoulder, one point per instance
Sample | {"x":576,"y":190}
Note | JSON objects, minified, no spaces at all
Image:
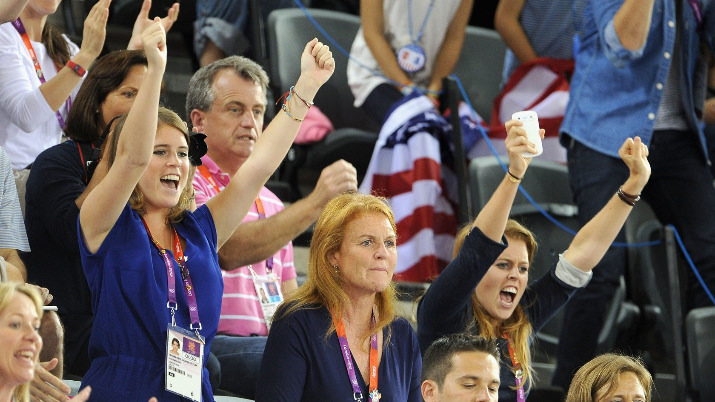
{"x":305,"y":313}
{"x":400,"y":324}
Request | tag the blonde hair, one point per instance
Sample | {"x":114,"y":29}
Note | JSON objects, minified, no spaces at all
{"x":604,"y":371}
{"x":324,"y":286}
{"x":136,"y":200}
{"x":8,"y":290}
{"x":517,"y":326}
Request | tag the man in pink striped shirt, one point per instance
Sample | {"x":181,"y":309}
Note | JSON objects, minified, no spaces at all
{"x":227,"y":101}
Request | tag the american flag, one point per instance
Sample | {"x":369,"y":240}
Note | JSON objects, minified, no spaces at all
{"x":409,"y":167}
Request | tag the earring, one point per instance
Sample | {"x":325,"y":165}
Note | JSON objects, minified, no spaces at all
{"x":336,"y":268}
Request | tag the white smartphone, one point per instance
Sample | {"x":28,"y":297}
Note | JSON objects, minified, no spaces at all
{"x":531,"y":125}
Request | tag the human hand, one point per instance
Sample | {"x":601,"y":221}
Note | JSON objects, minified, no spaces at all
{"x":634,"y":154}
{"x":335,"y":179}
{"x":516,"y":144}
{"x":44,"y":294}
{"x":45,"y":387}
{"x":317,"y":63}
{"x":143,"y":22}
{"x":154,"y":42}
{"x":94,"y":32}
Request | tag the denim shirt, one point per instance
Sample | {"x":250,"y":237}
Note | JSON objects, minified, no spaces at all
{"x":615,"y":92}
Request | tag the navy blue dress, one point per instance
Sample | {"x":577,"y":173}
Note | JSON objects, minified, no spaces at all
{"x":301,"y":364}
{"x":127,"y":279}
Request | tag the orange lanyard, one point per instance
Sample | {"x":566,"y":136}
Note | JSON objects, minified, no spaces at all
{"x":209,"y":177}
{"x":347,"y":357}
{"x":518,"y":373}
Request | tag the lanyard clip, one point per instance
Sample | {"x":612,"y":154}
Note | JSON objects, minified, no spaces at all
{"x":196,"y":331}
{"x":357,"y":396}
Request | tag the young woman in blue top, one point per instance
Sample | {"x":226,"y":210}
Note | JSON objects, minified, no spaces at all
{"x":484,"y":289}
{"x":135,"y":227}
{"x":337,"y":338}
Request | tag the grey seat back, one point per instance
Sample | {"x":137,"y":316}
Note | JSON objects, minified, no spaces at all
{"x":700,"y":334}
{"x":479,"y":67}
{"x":289,"y":30}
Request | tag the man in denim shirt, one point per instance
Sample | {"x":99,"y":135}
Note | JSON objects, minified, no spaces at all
{"x":639,"y":72}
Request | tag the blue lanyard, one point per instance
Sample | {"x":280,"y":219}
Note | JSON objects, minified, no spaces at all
{"x":424,"y":21}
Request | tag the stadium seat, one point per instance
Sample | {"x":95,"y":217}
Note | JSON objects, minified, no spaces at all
{"x":355,"y":134}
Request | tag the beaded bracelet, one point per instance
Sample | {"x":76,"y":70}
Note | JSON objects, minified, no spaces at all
{"x":285,"y":109}
{"x":305,"y":102}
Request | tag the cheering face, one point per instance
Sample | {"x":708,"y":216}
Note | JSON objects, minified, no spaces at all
{"x":21,"y":342}
{"x":368,"y":254}
{"x":628,"y":389}
{"x":122,"y":98}
{"x":502,"y":287}
{"x":165,"y":178}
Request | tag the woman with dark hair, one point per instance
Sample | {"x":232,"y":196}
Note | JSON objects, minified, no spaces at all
{"x":58,"y":183}
{"x":337,"y":336}
{"x":484,"y":289}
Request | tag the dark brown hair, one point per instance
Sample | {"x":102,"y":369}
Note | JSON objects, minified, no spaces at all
{"x":56,"y":45}
{"x":84,"y":122}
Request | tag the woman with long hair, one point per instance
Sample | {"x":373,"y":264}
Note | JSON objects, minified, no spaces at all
{"x":337,"y":336}
{"x":484,"y":289}
{"x":151,"y":263}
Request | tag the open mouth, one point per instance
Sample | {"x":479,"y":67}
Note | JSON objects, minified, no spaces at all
{"x":508,"y":294}
{"x":171,"y":181}
{"x":27,"y":355}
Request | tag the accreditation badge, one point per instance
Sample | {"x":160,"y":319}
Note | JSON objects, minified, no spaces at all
{"x":268,"y":290}
{"x":184,"y":363}
{"x":411,"y":58}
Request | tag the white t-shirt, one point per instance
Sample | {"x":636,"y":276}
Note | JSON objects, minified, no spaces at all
{"x":397,"y":34}
{"x":28,"y":125}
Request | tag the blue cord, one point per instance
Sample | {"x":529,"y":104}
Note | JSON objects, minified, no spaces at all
{"x":691,"y":264}
{"x":504,"y":167}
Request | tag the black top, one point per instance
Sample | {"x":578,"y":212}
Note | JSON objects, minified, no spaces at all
{"x":446,"y":307}
{"x":56,"y":179}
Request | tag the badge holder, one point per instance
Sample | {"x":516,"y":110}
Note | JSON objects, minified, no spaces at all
{"x":184,"y":363}
{"x":268,"y":290}
{"x":411,"y":58}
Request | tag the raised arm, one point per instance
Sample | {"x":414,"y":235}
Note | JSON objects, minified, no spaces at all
{"x":10,"y":9}
{"x":594,"y":238}
{"x":59,"y":88}
{"x":230,"y":206}
{"x":102,"y":207}
{"x":632,"y":22}
{"x":451,"y":46}
{"x":506,"y":22}
{"x":373,"y":28}
{"x":143,"y":21}
{"x":492,"y":219}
